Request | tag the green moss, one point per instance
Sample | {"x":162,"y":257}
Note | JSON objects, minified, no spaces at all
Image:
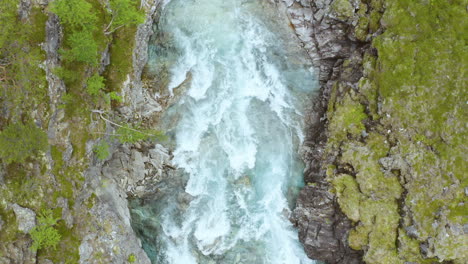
{"x":414,"y":91}
{"x":343,"y":9}
{"x":346,"y":119}
{"x":374,"y":21}
{"x":121,"y":51}
{"x":9,"y":229}
{"x":132,"y":258}
{"x":349,"y":197}
{"x":365,"y":160}
{"x":361,"y":28}
{"x":358,"y":238}
{"x":20,"y":141}
{"x":382,"y":217}
{"x":377,"y":5}
{"x":409,"y":249}
{"x":69,"y":246}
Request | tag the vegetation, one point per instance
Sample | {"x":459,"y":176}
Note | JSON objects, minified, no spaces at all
{"x":79,"y":18}
{"x":82,"y":48}
{"x":102,"y":150}
{"x":95,"y":84}
{"x":77,"y":14}
{"x":132,"y":258}
{"x":20,"y":141}
{"x":26,"y":95}
{"x":398,"y":141}
{"x":129,"y":134}
{"x":124,"y":13}
{"x":45,"y":235}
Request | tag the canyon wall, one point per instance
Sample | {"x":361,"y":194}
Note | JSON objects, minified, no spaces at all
{"x":385,"y":152}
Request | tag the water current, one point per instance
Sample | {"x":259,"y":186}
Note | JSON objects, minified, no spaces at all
{"x":235,"y":132}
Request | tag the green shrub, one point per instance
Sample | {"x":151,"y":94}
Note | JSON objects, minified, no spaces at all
{"x":19,"y":142}
{"x":102,"y":150}
{"x":83,"y":48}
{"x":75,"y":13}
{"x":95,"y":84}
{"x":124,"y":12}
{"x":128,"y":134}
{"x":67,"y":76}
{"x":114,"y":96}
{"x":132,"y":258}
{"x":44,"y":235}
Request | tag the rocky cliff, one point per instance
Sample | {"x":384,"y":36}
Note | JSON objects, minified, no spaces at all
{"x":385,"y":154}
{"x":63,"y":194}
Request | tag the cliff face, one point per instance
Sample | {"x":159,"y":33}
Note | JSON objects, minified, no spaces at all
{"x":79,"y":171}
{"x":385,"y":152}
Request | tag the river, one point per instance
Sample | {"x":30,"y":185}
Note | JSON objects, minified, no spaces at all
{"x":235,"y":132}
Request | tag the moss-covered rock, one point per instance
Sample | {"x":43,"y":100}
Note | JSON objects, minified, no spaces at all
{"x":400,"y":136}
{"x":347,"y":191}
{"x":346,"y":118}
{"x":343,"y":9}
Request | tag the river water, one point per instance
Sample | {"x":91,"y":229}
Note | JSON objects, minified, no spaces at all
{"x":235,"y":133}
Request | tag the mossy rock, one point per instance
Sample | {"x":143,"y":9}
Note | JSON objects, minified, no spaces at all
{"x":349,"y":197}
{"x":362,"y":28}
{"x":343,"y":9}
{"x":364,"y":158}
{"x":346,"y":119}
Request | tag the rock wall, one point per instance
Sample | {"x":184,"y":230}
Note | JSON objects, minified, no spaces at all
{"x":381,"y":186}
{"x":329,"y":39}
{"x":87,"y":194}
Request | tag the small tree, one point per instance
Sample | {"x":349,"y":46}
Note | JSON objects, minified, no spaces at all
{"x":75,"y":13}
{"x":83,"y":48}
{"x":95,"y":84}
{"x":124,"y":13}
{"x":18,"y":142}
{"x":44,"y":235}
{"x":102,"y":150}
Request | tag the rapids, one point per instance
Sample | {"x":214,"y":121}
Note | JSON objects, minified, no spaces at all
{"x":235,"y":133}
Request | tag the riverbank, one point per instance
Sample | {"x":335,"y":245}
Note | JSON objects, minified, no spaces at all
{"x":378,"y":148}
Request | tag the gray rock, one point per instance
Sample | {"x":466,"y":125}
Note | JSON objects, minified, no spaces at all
{"x":114,"y":240}
{"x":25,"y":217}
{"x":19,"y":252}
{"x":24,"y":9}
{"x":323,"y":229}
{"x":66,"y":214}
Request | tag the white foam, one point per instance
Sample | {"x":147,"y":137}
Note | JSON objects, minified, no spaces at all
{"x":234,"y":137}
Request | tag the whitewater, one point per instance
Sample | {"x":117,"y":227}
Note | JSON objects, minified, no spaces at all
{"x":235,"y":130}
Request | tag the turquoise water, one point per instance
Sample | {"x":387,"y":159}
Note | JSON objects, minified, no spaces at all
{"x":235,"y":134}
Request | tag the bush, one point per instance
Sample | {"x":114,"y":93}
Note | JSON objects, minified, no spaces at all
{"x":132,"y":258}
{"x":95,"y":84}
{"x":114,"y":96}
{"x":75,"y":13}
{"x":83,"y":48}
{"x":128,"y":134}
{"x":44,"y":235}
{"x":102,"y":150}
{"x":19,"y":142}
{"x":124,"y":13}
